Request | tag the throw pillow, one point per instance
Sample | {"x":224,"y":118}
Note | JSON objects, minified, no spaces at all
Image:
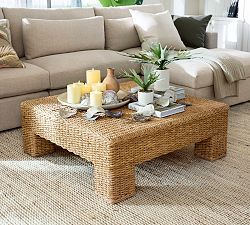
{"x":121,"y":34}
{"x":8,"y":56}
{"x":156,"y":28}
{"x":192,"y":30}
{"x":47,"y":37}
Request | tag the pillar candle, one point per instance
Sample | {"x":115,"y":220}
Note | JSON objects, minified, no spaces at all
{"x":95,"y":99}
{"x":87,"y":88}
{"x":73,"y":93}
{"x":99,"y":87}
{"x":93,"y":76}
{"x":82,"y":86}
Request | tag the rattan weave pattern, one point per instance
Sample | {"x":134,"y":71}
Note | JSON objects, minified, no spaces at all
{"x":115,"y":146}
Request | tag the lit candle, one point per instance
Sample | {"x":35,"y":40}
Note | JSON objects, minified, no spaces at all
{"x":95,"y":99}
{"x":73,"y":93}
{"x":99,"y":87}
{"x":93,"y":76}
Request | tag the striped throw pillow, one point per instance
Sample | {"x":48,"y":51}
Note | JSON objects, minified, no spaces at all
{"x":8,"y":56}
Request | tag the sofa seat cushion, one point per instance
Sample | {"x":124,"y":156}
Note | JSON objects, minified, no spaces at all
{"x":196,"y":74}
{"x":71,"y":67}
{"x":20,"y":81}
{"x":132,"y":50}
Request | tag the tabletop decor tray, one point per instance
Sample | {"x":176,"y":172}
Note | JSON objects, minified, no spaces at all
{"x":62,"y":98}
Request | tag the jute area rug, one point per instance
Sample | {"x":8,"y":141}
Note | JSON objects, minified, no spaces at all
{"x":174,"y":189}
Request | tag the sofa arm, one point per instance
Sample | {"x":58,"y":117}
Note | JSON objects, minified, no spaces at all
{"x":211,"y":40}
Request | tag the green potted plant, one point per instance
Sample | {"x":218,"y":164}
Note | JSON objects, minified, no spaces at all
{"x":160,"y":58}
{"x":145,"y":95}
{"x":108,"y":3}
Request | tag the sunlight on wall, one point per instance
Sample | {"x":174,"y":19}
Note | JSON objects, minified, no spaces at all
{"x":179,"y":7}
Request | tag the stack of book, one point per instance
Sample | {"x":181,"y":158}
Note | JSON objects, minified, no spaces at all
{"x":160,"y":111}
{"x":176,"y":93}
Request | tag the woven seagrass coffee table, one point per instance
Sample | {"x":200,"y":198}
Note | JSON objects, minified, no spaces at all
{"x":116,"y":146}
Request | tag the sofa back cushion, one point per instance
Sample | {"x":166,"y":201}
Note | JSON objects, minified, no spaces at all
{"x":121,"y":34}
{"x":158,"y":27}
{"x":123,"y":11}
{"x":15,"y":16}
{"x":192,"y":30}
{"x":48,"y":37}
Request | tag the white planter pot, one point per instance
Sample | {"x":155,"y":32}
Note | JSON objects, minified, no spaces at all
{"x":145,"y":98}
{"x":162,"y":84}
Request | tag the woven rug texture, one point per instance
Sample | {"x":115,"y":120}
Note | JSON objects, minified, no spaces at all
{"x":177,"y":188}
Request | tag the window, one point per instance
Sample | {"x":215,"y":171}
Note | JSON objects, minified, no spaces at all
{"x":48,"y":3}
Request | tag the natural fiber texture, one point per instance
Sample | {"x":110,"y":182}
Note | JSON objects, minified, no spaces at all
{"x":8,"y":56}
{"x":115,"y":146}
{"x":178,"y":188}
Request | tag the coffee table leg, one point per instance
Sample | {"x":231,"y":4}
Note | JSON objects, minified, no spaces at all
{"x":34,"y":145}
{"x":115,"y":183}
{"x":212,"y":148}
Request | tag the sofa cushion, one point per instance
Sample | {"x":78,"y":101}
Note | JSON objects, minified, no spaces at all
{"x":123,"y":11}
{"x":196,"y":74}
{"x":71,"y":67}
{"x":10,"y":115}
{"x":133,"y":50}
{"x":158,"y":27}
{"x":192,"y":30}
{"x":191,"y":73}
{"x":15,"y":15}
{"x":19,"y":81}
{"x":48,"y":37}
{"x":118,"y":39}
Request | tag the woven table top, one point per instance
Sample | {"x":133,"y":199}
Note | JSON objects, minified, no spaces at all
{"x":125,"y":128}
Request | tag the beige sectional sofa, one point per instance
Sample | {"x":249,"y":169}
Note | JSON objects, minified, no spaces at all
{"x":49,"y":74}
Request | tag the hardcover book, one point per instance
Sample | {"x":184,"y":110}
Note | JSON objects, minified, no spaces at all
{"x":160,"y":111}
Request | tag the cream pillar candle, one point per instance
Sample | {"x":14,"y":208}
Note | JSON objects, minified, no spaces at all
{"x":99,"y":87}
{"x":95,"y":99}
{"x":93,"y":76}
{"x":87,"y":88}
{"x":82,"y":86}
{"x":73,"y":93}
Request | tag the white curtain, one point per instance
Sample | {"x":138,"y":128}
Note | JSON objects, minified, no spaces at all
{"x":48,"y":3}
{"x":244,"y":10}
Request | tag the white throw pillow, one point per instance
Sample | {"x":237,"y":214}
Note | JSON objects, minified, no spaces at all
{"x":47,"y":37}
{"x":158,"y":27}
